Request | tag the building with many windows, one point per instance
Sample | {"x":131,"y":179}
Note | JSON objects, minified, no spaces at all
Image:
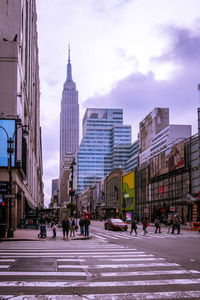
{"x":104,"y":146}
{"x":69,"y":116}
{"x":69,"y":131}
{"x":20,"y":105}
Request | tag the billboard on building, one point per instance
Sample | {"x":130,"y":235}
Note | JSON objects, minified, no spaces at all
{"x":128,"y":192}
{"x":7,"y":130}
{"x":167,"y":161}
{"x":152,"y":124}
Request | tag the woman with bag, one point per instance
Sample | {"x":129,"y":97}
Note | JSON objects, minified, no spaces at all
{"x":145,"y":223}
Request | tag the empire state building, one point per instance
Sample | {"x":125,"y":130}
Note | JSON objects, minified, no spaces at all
{"x":69,"y":117}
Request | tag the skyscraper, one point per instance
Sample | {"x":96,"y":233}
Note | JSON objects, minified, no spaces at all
{"x":69,"y":116}
{"x":104,"y":147}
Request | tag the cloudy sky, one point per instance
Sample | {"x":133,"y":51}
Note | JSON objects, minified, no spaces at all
{"x":130,"y":54}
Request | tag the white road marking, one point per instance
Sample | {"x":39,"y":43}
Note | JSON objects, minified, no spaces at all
{"x":43,"y":274}
{"x":132,"y":259}
{"x":146,"y":265}
{"x":72,"y":267}
{"x":146,"y":273}
{"x":122,"y":236}
{"x":121,"y":296}
{"x":3,"y":260}
{"x":133,"y":254}
{"x":4,"y":266}
{"x":108,"y":236}
{"x":99,"y":237}
{"x":99,"y":284}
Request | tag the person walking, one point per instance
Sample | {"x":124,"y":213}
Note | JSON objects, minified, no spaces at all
{"x":65,"y":227}
{"x":133,"y":226}
{"x":81,"y":224}
{"x":170,"y":224}
{"x":176,"y":224}
{"x":145,"y":224}
{"x":86,"y":225}
{"x":72,"y":227}
{"x":54,"y":227}
{"x":157,"y":225}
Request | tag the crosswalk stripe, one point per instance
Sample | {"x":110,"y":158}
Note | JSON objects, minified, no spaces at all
{"x":132,"y":259}
{"x":120,"y":296}
{"x":105,"y":255}
{"x":99,"y":283}
{"x":146,"y":273}
{"x":100,"y":237}
{"x":108,"y":236}
{"x":146,"y":265}
{"x":43,"y":274}
{"x":113,"y":266}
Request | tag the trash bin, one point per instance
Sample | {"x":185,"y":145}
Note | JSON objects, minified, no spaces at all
{"x":2,"y":230}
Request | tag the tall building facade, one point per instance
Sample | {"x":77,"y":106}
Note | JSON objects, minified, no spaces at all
{"x":20,"y":105}
{"x":69,"y":131}
{"x":103,"y":147}
{"x":69,"y":116}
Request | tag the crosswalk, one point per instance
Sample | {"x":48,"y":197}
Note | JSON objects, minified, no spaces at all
{"x":93,"y":271}
{"x":113,"y":235}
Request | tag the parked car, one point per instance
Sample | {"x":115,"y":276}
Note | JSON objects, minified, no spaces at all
{"x":115,"y":224}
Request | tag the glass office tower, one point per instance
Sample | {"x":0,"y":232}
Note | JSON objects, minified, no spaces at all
{"x":104,"y":146}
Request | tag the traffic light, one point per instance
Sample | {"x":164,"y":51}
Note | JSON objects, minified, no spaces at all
{"x":71,"y":192}
{"x":3,"y":203}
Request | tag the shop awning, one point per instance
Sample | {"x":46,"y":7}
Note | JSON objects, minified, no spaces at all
{"x":31,"y":204}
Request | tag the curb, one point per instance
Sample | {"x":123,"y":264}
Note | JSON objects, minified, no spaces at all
{"x":39,"y":240}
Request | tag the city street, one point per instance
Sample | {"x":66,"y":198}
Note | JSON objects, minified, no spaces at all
{"x":109,"y":265}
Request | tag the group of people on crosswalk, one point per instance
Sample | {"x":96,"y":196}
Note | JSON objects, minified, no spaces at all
{"x":173,"y":224}
{"x":69,"y":225}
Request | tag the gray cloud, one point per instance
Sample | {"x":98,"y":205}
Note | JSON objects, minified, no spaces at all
{"x":138,"y":94}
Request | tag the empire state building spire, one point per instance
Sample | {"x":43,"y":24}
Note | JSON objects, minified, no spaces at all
{"x":69,"y":68}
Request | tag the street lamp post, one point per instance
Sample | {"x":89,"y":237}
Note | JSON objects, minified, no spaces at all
{"x":10,"y":150}
{"x":72,"y":179}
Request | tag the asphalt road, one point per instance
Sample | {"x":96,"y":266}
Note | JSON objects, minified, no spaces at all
{"x":110,"y":265}
{"x":183,"y":249}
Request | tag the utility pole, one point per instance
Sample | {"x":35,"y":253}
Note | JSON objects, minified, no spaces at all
{"x":71,"y":192}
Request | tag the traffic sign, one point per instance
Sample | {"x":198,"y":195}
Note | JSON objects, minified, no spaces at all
{"x":11,"y":196}
{"x":4,"y":187}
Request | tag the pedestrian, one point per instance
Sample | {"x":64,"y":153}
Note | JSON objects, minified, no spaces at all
{"x":54,"y":227}
{"x":72,"y":227}
{"x":81,"y":224}
{"x":157,"y":225}
{"x":133,"y":226}
{"x":145,"y":224}
{"x":176,"y":224}
{"x":65,"y":227}
{"x":86,"y":225}
{"x":170,"y":224}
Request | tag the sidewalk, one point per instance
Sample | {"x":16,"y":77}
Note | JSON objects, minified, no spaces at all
{"x":32,"y":235}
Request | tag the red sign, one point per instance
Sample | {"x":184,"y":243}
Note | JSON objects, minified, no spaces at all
{"x":161,"y":189}
{"x":172,"y":208}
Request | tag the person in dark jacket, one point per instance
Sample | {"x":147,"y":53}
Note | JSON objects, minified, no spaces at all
{"x":65,"y":227}
{"x":157,"y":225}
{"x":133,"y":226}
{"x":86,"y":225}
{"x":81,"y":224}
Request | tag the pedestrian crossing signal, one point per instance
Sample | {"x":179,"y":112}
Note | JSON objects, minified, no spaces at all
{"x":71,"y":192}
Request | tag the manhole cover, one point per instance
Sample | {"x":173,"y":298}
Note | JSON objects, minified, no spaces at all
{"x":30,"y":264}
